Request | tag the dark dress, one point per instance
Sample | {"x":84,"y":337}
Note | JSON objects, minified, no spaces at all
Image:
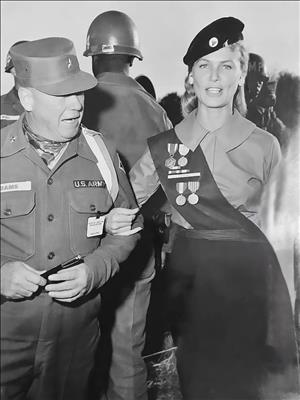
{"x":229,"y":305}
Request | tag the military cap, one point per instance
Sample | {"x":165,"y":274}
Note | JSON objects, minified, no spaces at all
{"x":51,"y":66}
{"x":9,"y":64}
{"x":213,"y":37}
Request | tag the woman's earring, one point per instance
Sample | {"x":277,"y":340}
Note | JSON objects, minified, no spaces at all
{"x":191,"y":80}
{"x":242,"y":82}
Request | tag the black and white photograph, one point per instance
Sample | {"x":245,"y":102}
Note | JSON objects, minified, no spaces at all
{"x":150,"y":213}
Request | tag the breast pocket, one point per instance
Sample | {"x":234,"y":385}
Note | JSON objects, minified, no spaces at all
{"x":85,"y":203}
{"x":18,"y":225}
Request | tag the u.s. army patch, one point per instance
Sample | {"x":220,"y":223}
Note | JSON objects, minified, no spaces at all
{"x":87,"y":183}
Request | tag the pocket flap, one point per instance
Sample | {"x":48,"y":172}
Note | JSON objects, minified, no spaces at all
{"x":90,"y":200}
{"x":15,"y":204}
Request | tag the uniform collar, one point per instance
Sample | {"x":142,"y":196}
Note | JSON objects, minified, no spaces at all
{"x":190,"y":132}
{"x":14,"y":140}
{"x":82,"y":147}
{"x":117,"y":78}
{"x":231,"y":135}
{"x":13,"y":100}
{"x":12,"y":95}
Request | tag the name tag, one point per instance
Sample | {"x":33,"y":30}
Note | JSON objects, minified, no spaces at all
{"x":95,"y":226}
{"x":15,"y":186}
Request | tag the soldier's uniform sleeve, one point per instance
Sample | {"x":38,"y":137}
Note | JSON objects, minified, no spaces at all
{"x":113,"y":250}
{"x":144,"y":178}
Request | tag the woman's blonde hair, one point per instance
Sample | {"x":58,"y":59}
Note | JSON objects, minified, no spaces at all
{"x":189,"y":100}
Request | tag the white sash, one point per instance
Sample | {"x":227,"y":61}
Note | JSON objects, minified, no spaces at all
{"x":104,"y":163}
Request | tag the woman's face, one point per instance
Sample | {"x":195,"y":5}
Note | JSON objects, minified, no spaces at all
{"x":216,"y":77}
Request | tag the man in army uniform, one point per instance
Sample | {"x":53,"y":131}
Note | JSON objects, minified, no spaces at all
{"x":11,"y":108}
{"x":58,"y":181}
{"x":121,"y":109}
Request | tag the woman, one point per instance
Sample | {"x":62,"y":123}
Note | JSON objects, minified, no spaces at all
{"x":230,"y":309}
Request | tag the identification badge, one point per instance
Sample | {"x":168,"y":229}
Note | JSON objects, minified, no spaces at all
{"x":95,"y":226}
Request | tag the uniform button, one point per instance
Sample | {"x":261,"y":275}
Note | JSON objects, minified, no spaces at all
{"x":51,"y":255}
{"x":92,"y":207}
{"x":50,"y":217}
{"x":7,"y":211}
{"x":50,"y":181}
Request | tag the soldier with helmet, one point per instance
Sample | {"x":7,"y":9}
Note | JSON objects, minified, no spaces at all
{"x":11,"y":108}
{"x":260,"y":94}
{"x":121,"y":109}
{"x":55,"y":194}
{"x":256,"y":76}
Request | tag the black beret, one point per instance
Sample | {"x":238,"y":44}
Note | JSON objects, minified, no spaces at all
{"x":213,"y":37}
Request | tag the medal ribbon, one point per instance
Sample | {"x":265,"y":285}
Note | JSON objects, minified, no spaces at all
{"x":172,"y":148}
{"x":193,"y":186}
{"x":181,"y":187}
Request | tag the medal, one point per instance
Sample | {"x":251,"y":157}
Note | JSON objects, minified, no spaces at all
{"x":183,"y":151}
{"x":171,"y":162}
{"x":181,"y":187}
{"x":180,"y":200}
{"x":193,"y":198}
{"x":182,"y":161}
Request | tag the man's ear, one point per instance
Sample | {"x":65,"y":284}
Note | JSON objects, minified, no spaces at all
{"x":26,"y":98}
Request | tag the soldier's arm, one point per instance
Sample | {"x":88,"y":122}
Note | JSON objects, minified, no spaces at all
{"x":114,"y":249}
{"x":145,"y":182}
{"x":144,"y":178}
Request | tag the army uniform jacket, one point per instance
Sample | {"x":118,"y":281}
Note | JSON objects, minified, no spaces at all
{"x":44,"y":213}
{"x":11,"y":108}
{"x":121,"y":109}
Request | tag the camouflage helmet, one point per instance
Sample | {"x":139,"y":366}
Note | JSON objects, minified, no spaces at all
{"x":113,"y":32}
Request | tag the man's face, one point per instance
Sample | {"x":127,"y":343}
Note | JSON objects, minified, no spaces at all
{"x":56,"y":117}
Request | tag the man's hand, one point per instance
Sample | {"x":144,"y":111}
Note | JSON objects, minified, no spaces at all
{"x":19,"y":280}
{"x":119,"y":221}
{"x":74,"y":282}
